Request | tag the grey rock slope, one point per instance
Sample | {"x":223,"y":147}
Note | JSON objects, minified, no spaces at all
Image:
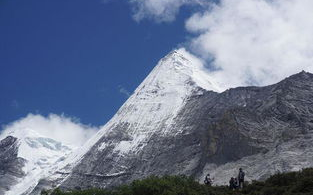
{"x":262,"y":129}
{"x":10,"y":165}
{"x":274,"y":123}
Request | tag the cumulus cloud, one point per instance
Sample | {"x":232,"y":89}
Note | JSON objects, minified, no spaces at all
{"x":64,"y":129}
{"x":160,"y":10}
{"x":254,"y":42}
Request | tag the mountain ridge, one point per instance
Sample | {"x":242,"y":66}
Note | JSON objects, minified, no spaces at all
{"x":221,"y":151}
{"x":178,"y":122}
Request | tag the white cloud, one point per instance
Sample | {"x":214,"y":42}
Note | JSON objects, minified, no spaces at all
{"x":64,"y":129}
{"x":246,"y":42}
{"x":255,"y":42}
{"x":124,"y":91}
{"x":160,"y":10}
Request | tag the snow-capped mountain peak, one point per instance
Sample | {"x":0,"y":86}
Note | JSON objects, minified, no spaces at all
{"x":164,"y":92}
{"x":174,"y":124}
{"x":178,"y":69}
{"x":152,"y":107}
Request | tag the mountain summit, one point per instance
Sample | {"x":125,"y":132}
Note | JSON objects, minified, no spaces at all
{"x":179,"y":122}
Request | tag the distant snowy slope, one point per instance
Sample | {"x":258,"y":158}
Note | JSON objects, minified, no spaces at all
{"x":34,"y":147}
{"x":42,"y":155}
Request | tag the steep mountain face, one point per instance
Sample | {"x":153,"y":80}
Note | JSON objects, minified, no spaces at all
{"x":178,"y":122}
{"x":142,"y":126}
{"x":25,"y":158}
{"x":261,"y":129}
{"x":175,"y":123}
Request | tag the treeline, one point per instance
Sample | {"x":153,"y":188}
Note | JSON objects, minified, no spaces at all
{"x":293,"y":183}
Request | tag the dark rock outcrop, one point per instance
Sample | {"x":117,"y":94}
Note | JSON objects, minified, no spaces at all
{"x":10,"y":165}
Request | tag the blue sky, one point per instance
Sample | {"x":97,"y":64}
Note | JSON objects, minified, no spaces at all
{"x":76,"y":57}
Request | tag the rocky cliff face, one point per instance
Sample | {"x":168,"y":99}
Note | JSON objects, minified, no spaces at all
{"x":178,"y":122}
{"x":263,"y":129}
{"x":10,"y":164}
